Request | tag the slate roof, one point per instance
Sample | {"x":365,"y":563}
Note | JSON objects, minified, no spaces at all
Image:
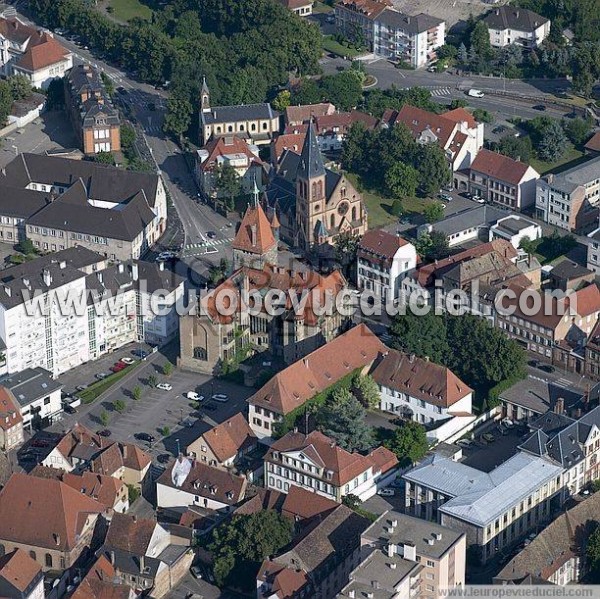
{"x":30,"y":385}
{"x":582,"y":174}
{"x":233,"y":114}
{"x":567,"y":269}
{"x":130,"y":533}
{"x":311,"y":164}
{"x":412,"y":25}
{"x":514,"y":18}
{"x":480,"y":216}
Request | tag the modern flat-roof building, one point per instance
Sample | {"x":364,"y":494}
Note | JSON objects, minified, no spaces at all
{"x":515,"y":229}
{"x":494,"y":509}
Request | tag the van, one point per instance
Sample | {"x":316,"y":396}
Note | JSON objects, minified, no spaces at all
{"x":475,"y":93}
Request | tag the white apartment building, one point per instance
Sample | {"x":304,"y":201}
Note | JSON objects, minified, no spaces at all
{"x":593,"y":251}
{"x":494,"y":509}
{"x":383,"y":260}
{"x":409,"y":39}
{"x":569,"y":200}
{"x":514,"y":25}
{"x":37,"y":393}
{"x":314,"y":462}
{"x":515,"y":229}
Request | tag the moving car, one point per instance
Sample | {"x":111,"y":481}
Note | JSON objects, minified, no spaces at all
{"x":211,"y":234}
{"x":475,"y":93}
{"x":547,"y":367}
{"x":220,"y":397}
{"x":540,"y":107}
{"x":386,"y":492}
{"x":165,"y":386}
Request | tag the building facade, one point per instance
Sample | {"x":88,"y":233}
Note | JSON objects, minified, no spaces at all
{"x":514,"y":25}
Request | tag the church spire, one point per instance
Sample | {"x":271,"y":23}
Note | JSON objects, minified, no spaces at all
{"x":311,"y":161}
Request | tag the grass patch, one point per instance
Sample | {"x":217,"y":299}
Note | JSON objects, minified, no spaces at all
{"x":94,"y":391}
{"x":320,"y":7}
{"x":125,"y":10}
{"x":333,"y":46}
{"x":570,"y":158}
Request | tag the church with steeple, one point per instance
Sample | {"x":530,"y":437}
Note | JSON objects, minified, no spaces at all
{"x":314,"y":204}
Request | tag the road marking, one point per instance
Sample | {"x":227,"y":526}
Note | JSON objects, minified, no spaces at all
{"x":441,"y":91}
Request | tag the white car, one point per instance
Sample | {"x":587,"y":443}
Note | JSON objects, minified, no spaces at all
{"x":386,"y":492}
{"x":220,"y":397}
{"x":165,"y":386}
{"x":193,"y":395}
{"x":508,"y":423}
{"x":127,"y":360}
{"x":475,"y":93}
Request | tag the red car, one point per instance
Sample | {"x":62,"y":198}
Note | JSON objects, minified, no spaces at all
{"x":118,"y":366}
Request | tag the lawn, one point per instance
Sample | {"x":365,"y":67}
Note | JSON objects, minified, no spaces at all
{"x":319,"y":7}
{"x":125,"y":10}
{"x":97,"y":389}
{"x":331,"y":45}
{"x":570,"y":158}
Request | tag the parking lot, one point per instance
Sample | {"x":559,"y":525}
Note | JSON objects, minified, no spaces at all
{"x":486,"y":455}
{"x":52,"y":130}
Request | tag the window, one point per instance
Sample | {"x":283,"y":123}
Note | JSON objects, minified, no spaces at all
{"x":32,"y":555}
{"x":430,"y":564}
{"x":48,"y":560}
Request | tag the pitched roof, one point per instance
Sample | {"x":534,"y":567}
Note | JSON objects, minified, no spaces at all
{"x":130,"y":533}
{"x":43,"y":512}
{"x":46,"y":52}
{"x":264,"y":499}
{"x":499,"y":167}
{"x":410,"y":24}
{"x":228,"y":438}
{"x":593,"y":143}
{"x":344,"y":465}
{"x":302,"y":113}
{"x":101,"y":582}
{"x":461,"y":115}
{"x":299,"y":382}
{"x":515,"y":18}
{"x":371,"y":9}
{"x":418,"y":120}
{"x":10,"y":413}
{"x":380,"y":243}
{"x":255,"y":234}
{"x":287,"y":141}
{"x":284,"y":582}
{"x":311,"y":161}
{"x":234,"y":114}
{"x":18,"y":571}
{"x":301,"y":504}
{"x":224,"y":146}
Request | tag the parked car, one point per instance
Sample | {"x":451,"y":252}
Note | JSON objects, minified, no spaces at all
{"x":508,"y":423}
{"x":445,"y":197}
{"x":140,"y":353}
{"x":465,"y":443}
{"x":499,"y":129}
{"x":220,"y":397}
{"x":104,"y":432}
{"x":165,"y":386}
{"x":118,"y":366}
{"x":81,"y":387}
{"x":211,"y":234}
{"x":386,"y":492}
{"x":145,"y":437}
{"x":163,"y":458}
{"x":127,"y":361}
{"x":101,"y":375}
{"x":547,"y":367}
{"x":196,"y":572}
{"x":478,"y":199}
{"x":69,"y":409}
{"x":488,"y":437}
{"x":194,"y":396}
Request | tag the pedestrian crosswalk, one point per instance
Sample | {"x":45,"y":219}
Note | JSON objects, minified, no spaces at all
{"x":441,"y":91}
{"x":153,"y":129}
{"x":209,"y":243}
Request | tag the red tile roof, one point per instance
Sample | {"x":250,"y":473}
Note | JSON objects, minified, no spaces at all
{"x":45,"y":53}
{"x":460,"y":115}
{"x":44,"y":512}
{"x":222,"y":146}
{"x":285,"y":583}
{"x":287,"y":141}
{"x":381,"y":243}
{"x":303,"y":113}
{"x":499,"y":167}
{"x":19,"y":570}
{"x":299,"y":382}
{"x":99,"y":583}
{"x":255,"y":234}
{"x":593,"y":144}
{"x":369,"y":8}
{"x":418,"y":120}
{"x":129,"y":533}
{"x":265,"y":499}
{"x":230,"y":437}
{"x":301,"y":504}
{"x":423,"y":379}
{"x":10,"y":413}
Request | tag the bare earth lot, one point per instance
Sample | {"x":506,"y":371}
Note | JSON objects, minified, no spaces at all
{"x":451,"y":11}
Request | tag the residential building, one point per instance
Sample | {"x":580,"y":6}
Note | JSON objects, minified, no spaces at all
{"x":303,"y":113}
{"x":194,"y":483}
{"x":495,"y":509}
{"x":214,"y":336}
{"x":95,"y":120}
{"x":455,"y":131}
{"x":37,"y":394}
{"x":47,"y":519}
{"x":143,"y":554}
{"x":304,"y":506}
{"x":533,"y":396}
{"x":515,"y":25}
{"x":411,"y":40}
{"x":593,"y":251}
{"x":287,"y":141}
{"x":112,"y":211}
{"x":569,"y":200}
{"x":318,"y":563}
{"x":257,"y":123}
{"x":255,"y":242}
{"x":515,"y":229}
{"x":407,"y":557}
{"x":355,"y":350}
{"x":555,"y":319}
{"x":383,"y":260}
{"x":314,"y":204}
{"x":567,"y":274}
{"x":502,"y":180}
{"x":558,"y":553}
{"x":103,"y":580}
{"x":303,"y":8}
{"x":225,"y":443}
{"x":314,"y":462}
{"x":355,"y":19}
{"x":11,"y":421}
{"x":592,"y":146}
{"x":228,"y":151}
{"x":428,"y":393}
{"x":21,"y":577}
{"x":31,"y":52}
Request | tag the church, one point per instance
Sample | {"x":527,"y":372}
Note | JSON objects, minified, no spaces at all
{"x":313,"y":204}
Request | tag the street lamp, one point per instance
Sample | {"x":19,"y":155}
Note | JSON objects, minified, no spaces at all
{"x":178,"y":448}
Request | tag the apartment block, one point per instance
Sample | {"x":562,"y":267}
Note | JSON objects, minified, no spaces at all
{"x":515,"y":25}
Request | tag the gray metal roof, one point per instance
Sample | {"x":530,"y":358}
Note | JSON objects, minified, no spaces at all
{"x":30,"y":385}
{"x":480,"y":216}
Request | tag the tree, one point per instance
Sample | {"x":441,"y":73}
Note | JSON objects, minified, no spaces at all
{"x":397,"y":209}
{"x":306,"y":92}
{"x":463,"y":55}
{"x":165,"y":431}
{"x":104,"y":418}
{"x":434,"y":212}
{"x":401,"y":180}
{"x":482,"y":116}
{"x":342,"y":418}
{"x":351,"y":501}
{"x":109,"y":86}
{"x":528,"y":245}
{"x":25,"y":246}
{"x":20,"y":87}
{"x":593,"y":555}
{"x":228,"y":184}
{"x":152,"y":380}
{"x":433,"y":168}
{"x":133,"y":493}
{"x":346,"y":247}
{"x":119,"y":405}
{"x":409,"y":443}
{"x":424,"y":336}
{"x":178,"y":117}
{"x":365,"y":389}
{"x":344,"y":89}
{"x":239,"y":545}
{"x":517,"y":148}
{"x":55,"y":94}
{"x":578,"y":130}
{"x":480,"y":41}
{"x":105,"y":158}
{"x":553,"y":142}
{"x":282,"y":100}
{"x":458,"y":103}
{"x":432,"y":246}
{"x":137,"y":393}
{"x":127,"y":136}
{"x":167,"y":369}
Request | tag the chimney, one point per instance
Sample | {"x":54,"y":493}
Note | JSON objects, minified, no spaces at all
{"x":125,"y":457}
{"x":47,"y":277}
{"x":411,"y":358}
{"x":431,"y":541}
{"x":142,"y":563}
{"x":559,"y":406}
{"x":161,"y":266}
{"x":135,"y":272}
{"x":100,"y":277}
{"x":393,"y":565}
{"x":437,"y":536}
{"x":112,"y":558}
{"x":7,"y":290}
{"x":57,"y":539}
{"x":121,"y":267}
{"x":390,"y":550}
{"x":305,"y":362}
